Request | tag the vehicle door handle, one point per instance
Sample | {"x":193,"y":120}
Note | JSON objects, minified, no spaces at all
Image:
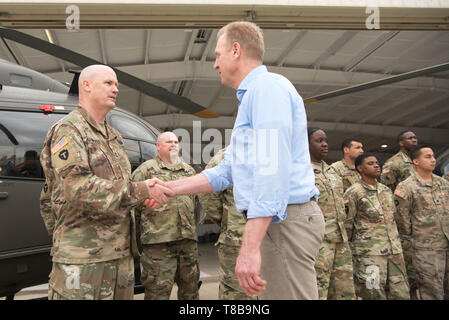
{"x":3,"y":195}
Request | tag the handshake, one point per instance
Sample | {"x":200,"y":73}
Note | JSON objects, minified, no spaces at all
{"x":159,"y":192}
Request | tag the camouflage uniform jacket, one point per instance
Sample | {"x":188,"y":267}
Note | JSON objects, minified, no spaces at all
{"x":348,"y":173}
{"x":446,"y":176}
{"x":396,"y":169}
{"x":371,"y":227}
{"x":423,"y":211}
{"x":174,"y":220}
{"x":220,"y":208}
{"x":88,"y":175}
{"x":330,"y":201}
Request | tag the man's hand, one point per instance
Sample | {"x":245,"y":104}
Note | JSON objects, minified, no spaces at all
{"x":247,"y":270}
{"x":249,"y":261}
{"x":158,"y":191}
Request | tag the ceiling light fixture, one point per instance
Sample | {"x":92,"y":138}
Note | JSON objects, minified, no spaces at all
{"x":49,"y":37}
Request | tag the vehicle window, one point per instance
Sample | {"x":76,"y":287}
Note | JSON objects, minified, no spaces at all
{"x":130,"y":128}
{"x":22,"y":135}
{"x":133,"y":152}
{"x":149,"y":150}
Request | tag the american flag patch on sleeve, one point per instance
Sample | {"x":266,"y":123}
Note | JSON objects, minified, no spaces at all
{"x":60,"y":144}
{"x":400,"y":193}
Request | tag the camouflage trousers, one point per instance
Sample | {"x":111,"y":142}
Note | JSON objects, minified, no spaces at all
{"x":334,"y":271}
{"x":109,"y":280}
{"x":432,"y":273}
{"x":164,"y":264}
{"x":229,"y":288}
{"x":381,"y":277}
{"x":407,"y":251}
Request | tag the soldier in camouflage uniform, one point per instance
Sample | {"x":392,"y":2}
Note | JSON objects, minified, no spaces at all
{"x":379,"y":268}
{"x":168,"y":234}
{"x":397,"y":169}
{"x":334,"y":262}
{"x":446,"y":176}
{"x":88,"y":195}
{"x":220,"y":208}
{"x":423,"y":214}
{"x":351,"y":148}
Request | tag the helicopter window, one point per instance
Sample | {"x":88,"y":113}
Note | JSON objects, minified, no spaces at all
{"x":20,"y":80}
{"x":22,"y":135}
{"x":130,"y":128}
{"x":149,"y":150}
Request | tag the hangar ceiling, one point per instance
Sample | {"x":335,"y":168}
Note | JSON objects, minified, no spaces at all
{"x":180,"y":59}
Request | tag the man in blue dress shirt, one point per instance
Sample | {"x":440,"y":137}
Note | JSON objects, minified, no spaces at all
{"x":268,"y":164}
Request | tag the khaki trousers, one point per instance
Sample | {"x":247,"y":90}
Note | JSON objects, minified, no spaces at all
{"x":289,"y":251}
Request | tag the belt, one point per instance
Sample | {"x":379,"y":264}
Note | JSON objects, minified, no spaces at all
{"x":245,"y":212}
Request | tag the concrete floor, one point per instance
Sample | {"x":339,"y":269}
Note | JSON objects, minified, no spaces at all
{"x":208,"y":259}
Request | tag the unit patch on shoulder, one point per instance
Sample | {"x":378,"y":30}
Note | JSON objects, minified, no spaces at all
{"x":59,"y":145}
{"x":400,"y":193}
{"x":64,"y":154}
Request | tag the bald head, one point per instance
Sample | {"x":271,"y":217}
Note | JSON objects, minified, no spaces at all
{"x":167,"y":135}
{"x":98,"y":89}
{"x":91,"y":72}
{"x":168,"y":147}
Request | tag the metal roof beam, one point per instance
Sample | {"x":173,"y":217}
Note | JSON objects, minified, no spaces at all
{"x":370,"y":49}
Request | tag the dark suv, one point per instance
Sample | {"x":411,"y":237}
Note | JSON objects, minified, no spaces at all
{"x":25,"y":117}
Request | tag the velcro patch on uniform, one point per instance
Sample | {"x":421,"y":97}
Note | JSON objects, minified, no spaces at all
{"x":386,"y":170}
{"x":346,"y":201}
{"x":400,"y":193}
{"x":59,"y":145}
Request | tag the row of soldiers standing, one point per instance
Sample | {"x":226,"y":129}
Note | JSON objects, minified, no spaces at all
{"x":363,"y":254}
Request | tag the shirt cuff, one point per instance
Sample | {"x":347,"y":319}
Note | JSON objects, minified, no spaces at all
{"x":263,"y":209}
{"x":216,"y":179}
{"x":139,"y":191}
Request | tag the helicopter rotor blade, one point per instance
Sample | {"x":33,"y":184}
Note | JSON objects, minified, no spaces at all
{"x":127,"y":79}
{"x":380,"y":82}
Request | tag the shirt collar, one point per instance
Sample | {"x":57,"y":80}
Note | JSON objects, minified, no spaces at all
{"x":162,"y":164}
{"x":321,"y":166}
{"x":104,"y":130}
{"x":347,"y":165}
{"x":369,"y":186}
{"x":421,"y":181}
{"x":244,"y":85}
{"x":405,"y":157}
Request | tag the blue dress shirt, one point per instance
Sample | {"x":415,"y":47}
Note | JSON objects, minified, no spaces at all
{"x":268,"y":160}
